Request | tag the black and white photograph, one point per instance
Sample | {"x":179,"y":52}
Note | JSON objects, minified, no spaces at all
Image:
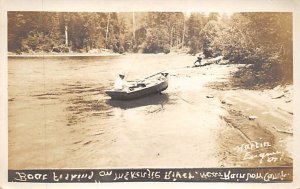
{"x":150,"y":96}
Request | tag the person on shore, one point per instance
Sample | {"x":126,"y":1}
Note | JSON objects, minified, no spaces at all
{"x":198,"y":61}
{"x":120,"y":82}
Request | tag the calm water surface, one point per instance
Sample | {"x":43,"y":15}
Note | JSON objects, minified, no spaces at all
{"x":59,"y":113}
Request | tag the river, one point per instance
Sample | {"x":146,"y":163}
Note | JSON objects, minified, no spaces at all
{"x":60,"y":117}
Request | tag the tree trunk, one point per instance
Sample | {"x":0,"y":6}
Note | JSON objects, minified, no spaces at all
{"x":66,"y":34}
{"x":171,"y":36}
{"x":183,"y":33}
{"x":133,"y":26}
{"x":106,"y":34}
{"x":133,"y":30}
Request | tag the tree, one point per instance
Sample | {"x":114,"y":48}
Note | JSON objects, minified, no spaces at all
{"x":263,"y":40}
{"x":210,"y":35}
{"x":195,"y":25}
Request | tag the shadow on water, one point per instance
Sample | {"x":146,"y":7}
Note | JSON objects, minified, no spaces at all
{"x":156,"y":99}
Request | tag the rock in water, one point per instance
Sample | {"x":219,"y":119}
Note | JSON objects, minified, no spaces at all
{"x":252,"y":117}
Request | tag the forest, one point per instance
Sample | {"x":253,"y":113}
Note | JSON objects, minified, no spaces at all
{"x":264,"y":40}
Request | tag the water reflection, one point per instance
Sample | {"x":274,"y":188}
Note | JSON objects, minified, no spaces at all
{"x":156,"y":99}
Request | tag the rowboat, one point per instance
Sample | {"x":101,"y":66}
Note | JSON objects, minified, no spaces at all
{"x":151,"y":85}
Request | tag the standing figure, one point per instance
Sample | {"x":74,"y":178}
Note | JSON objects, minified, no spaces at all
{"x":198,"y":61}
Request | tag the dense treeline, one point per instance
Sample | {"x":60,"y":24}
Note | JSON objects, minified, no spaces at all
{"x":133,"y":32}
{"x":150,"y":32}
{"x":263,"y":40}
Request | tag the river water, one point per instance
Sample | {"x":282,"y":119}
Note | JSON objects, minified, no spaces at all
{"x":60,"y":117}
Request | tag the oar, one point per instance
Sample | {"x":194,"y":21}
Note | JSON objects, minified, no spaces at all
{"x":153,"y":75}
{"x":141,"y":81}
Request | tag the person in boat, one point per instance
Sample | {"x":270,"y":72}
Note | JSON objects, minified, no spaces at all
{"x":198,"y":61}
{"x":120,"y":82}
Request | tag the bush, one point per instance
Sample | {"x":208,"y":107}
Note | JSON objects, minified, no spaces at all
{"x":121,"y":50}
{"x":39,"y":42}
{"x":166,"y":49}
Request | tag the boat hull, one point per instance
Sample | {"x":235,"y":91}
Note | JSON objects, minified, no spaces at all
{"x":138,"y":93}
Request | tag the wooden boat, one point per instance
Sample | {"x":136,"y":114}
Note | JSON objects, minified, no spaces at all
{"x":148,"y":86}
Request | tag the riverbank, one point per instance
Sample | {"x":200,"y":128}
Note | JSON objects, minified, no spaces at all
{"x":255,"y":126}
{"x":33,"y":55}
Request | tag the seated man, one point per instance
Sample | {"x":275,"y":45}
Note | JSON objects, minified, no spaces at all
{"x":120,"y":83}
